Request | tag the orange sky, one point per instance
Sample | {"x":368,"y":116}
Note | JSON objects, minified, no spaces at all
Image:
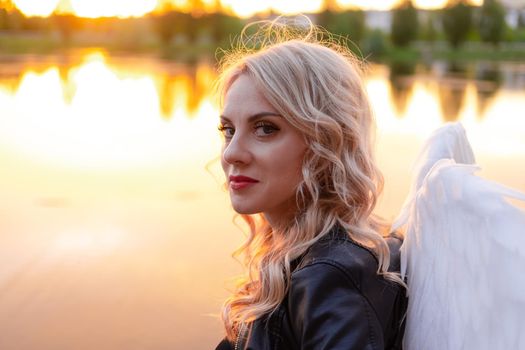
{"x":244,"y":8}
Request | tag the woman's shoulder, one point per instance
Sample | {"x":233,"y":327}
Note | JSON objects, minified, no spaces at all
{"x":336,"y":250}
{"x":340,"y":271}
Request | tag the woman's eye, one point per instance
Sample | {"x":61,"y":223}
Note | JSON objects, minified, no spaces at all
{"x":265,"y":129}
{"x":227,"y":131}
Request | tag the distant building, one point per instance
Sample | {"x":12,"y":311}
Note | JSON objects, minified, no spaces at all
{"x":513,"y":4}
{"x":513,"y":9}
{"x":378,"y":20}
{"x":383,"y":19}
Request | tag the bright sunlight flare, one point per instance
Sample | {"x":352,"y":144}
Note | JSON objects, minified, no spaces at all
{"x":120,"y":8}
{"x":430,"y":4}
{"x":368,"y":5}
{"x":437,"y":4}
{"x":87,"y":8}
{"x":36,"y":7}
{"x":243,"y":8}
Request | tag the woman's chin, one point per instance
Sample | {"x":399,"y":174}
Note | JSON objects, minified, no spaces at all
{"x":245,"y":212}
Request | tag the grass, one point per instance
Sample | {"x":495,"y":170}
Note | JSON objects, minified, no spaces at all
{"x":38,"y":44}
{"x":50,"y":44}
{"x":482,"y":52}
{"x":470,"y":51}
{"x":45,"y":43}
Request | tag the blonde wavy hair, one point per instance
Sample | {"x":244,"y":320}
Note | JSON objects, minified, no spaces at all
{"x":316,"y":84}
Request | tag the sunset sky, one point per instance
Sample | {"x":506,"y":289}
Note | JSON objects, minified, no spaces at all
{"x":244,"y":8}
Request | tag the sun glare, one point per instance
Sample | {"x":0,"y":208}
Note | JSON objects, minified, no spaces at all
{"x":113,"y":120}
{"x":242,"y":8}
{"x":119,"y":8}
{"x":245,"y":8}
{"x":430,"y":4}
{"x":88,"y":129}
{"x":87,"y":8}
{"x":368,"y":5}
{"x":296,"y":6}
{"x":36,"y":7}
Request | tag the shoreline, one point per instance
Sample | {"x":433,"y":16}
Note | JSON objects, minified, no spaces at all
{"x":180,"y":49}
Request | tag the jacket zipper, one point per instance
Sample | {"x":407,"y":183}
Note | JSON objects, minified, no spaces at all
{"x":239,"y":335}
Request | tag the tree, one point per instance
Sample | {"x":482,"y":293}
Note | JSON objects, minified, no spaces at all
{"x":348,"y":23}
{"x":14,"y":20}
{"x":457,"y":22}
{"x":429,"y":31}
{"x":164,"y":26}
{"x":521,"y":20}
{"x":66,"y":24}
{"x":404,"y":26}
{"x":491,"y":22}
{"x":375,"y":44}
{"x":330,"y":5}
{"x":171,"y":23}
{"x":326,"y":18}
{"x":7,"y":5}
{"x":223,"y":27}
{"x":4,"y":17}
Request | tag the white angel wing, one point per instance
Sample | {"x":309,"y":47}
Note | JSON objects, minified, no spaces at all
{"x":463,"y":254}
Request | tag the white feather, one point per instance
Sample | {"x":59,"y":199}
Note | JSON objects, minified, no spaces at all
{"x":463,"y":254}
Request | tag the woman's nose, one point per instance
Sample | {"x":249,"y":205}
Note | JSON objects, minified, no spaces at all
{"x":236,"y":151}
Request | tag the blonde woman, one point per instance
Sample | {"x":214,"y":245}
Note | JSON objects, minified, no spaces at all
{"x":299,"y":164}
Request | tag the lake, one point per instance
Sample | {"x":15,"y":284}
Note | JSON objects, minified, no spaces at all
{"x":115,"y":228}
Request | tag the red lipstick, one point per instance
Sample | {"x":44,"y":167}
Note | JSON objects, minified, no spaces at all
{"x":239,"y":182}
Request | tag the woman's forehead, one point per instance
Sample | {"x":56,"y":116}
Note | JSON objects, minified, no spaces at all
{"x":243,"y":97}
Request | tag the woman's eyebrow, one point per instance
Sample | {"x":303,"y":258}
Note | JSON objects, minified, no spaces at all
{"x":255,"y":116}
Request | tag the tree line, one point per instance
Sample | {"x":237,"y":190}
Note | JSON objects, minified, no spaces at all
{"x":165,"y":26}
{"x":456,"y":23}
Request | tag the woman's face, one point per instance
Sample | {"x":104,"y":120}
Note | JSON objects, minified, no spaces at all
{"x":262,"y":153}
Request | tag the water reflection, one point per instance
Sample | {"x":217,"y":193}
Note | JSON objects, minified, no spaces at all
{"x":489,"y":78}
{"x":97,"y":113}
{"x":184,"y":91}
{"x":402,"y":82}
{"x":451,"y":90}
{"x":180,"y":89}
{"x":114,"y":230}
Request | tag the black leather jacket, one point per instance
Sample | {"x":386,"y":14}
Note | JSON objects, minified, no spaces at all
{"x":336,"y":300}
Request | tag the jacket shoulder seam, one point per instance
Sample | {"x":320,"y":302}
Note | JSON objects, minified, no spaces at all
{"x":333,"y":263}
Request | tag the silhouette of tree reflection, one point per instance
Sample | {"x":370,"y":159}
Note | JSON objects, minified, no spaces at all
{"x":179,"y":85}
{"x":166,"y":91}
{"x":451,"y":90}
{"x":488,"y":82}
{"x":65,"y":64}
{"x":12,"y":72}
{"x":185,"y":88}
{"x":196,"y":90}
{"x":401,"y":83}
{"x":10,"y":76}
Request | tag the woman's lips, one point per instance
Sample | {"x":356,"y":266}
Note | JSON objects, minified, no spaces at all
{"x":238,"y":182}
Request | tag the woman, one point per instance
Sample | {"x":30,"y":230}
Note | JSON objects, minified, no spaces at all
{"x":298,"y":160}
